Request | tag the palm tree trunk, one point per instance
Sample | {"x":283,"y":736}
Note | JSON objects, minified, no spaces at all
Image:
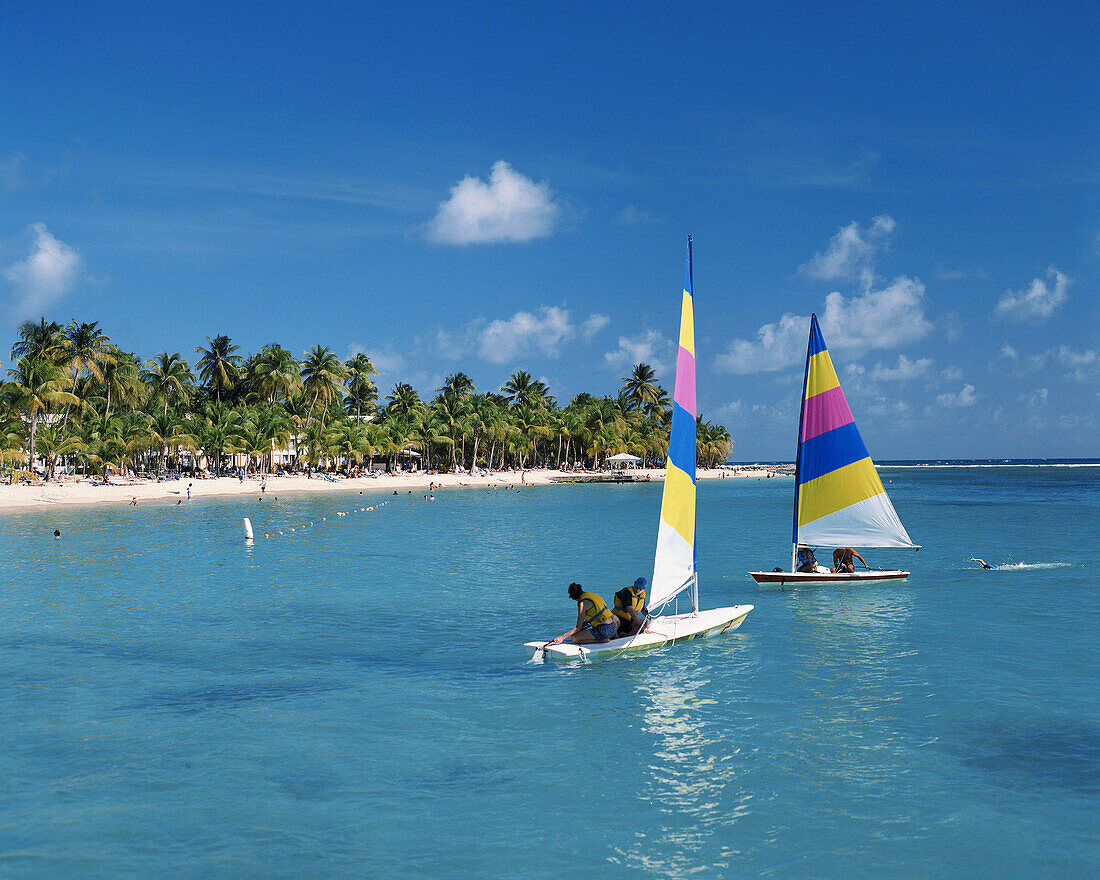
{"x":473,"y":459}
{"x":34,"y":431}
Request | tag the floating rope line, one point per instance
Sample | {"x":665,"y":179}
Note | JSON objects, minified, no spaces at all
{"x":370,"y":509}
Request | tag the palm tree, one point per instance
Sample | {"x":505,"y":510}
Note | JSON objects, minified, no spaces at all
{"x":452,"y":410}
{"x":220,"y":432}
{"x":41,"y":340}
{"x":428,"y":432}
{"x":219,"y":367}
{"x":322,"y":378}
{"x":89,"y":351}
{"x":169,"y":432}
{"x":524,"y":391}
{"x":458,"y":385}
{"x":713,"y":443}
{"x":169,"y":378}
{"x":37,"y":384}
{"x":103,"y":442}
{"x":403,"y":400}
{"x":53,"y":442}
{"x":641,"y":387}
{"x":278,"y":373}
{"x":361,"y":390}
{"x":136,"y":435}
{"x":121,"y":379}
{"x":265,"y":427}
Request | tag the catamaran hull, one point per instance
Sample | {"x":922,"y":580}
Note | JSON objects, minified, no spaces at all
{"x":664,"y":630}
{"x":778,"y":579}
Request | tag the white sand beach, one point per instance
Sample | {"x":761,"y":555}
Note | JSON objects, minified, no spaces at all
{"x":78,"y":490}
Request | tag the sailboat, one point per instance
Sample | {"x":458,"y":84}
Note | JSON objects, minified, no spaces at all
{"x":839,"y":500}
{"x":674,"y":568}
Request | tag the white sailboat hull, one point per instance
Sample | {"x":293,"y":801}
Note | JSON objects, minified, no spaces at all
{"x":664,"y":630}
{"x":779,"y":579}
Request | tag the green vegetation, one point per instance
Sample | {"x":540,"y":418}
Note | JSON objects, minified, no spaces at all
{"x":75,"y":398}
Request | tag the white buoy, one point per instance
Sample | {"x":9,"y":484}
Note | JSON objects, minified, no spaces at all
{"x":247,"y":529}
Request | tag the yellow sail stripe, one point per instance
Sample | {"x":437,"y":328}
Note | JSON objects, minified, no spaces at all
{"x":678,"y":504}
{"x":687,"y":325}
{"x":820,"y":374}
{"x":838,"y":489}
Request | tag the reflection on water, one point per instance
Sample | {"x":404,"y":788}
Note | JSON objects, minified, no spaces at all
{"x":693,"y":773}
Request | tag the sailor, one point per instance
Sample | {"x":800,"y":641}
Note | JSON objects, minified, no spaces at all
{"x":595,"y":623}
{"x":807,"y":562}
{"x":843,"y":562}
{"x":630,"y":608}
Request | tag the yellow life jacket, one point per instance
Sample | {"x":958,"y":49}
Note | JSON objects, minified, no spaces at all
{"x":626,"y":600}
{"x":597,"y":614}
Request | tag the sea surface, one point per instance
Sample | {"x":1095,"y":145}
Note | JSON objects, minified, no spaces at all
{"x":352,"y":699}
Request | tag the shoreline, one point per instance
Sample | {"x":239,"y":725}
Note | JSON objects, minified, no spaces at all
{"x":73,"y":492}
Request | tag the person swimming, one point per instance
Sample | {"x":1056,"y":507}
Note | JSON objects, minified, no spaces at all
{"x":984,"y":564}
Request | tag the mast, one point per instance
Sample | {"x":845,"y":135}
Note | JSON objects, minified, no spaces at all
{"x":798,"y":444}
{"x":674,"y":560}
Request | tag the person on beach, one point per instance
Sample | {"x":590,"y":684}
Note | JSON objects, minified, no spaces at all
{"x":133,"y":502}
{"x":188,"y":491}
{"x":985,"y":564}
{"x":595,"y":623}
{"x":843,"y":562}
{"x":631,"y":610}
{"x":57,"y":533}
{"x":807,"y":562}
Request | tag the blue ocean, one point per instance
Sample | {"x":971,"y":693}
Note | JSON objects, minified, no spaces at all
{"x":352,"y":699}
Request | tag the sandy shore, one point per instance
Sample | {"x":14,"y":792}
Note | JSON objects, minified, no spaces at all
{"x":80,"y":491}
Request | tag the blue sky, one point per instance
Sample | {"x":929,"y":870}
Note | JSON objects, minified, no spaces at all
{"x":492,"y":187}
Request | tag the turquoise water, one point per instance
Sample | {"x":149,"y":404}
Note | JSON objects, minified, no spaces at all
{"x":351,"y":700}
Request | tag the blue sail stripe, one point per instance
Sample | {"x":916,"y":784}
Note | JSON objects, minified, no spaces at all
{"x":681,"y":442}
{"x":817,"y":341}
{"x":827,"y":452}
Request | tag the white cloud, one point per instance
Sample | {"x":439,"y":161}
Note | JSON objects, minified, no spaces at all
{"x":649,"y":347}
{"x":951,"y":374}
{"x":1007,"y":351}
{"x":1038,"y":302}
{"x":875,"y":319}
{"x":510,"y":207}
{"x":851,"y":251}
{"x":48,"y":273}
{"x":963,"y":397}
{"x":11,"y":172}
{"x":904,"y":371}
{"x":884,"y":407}
{"x":593,"y":325}
{"x":883,"y":318}
{"x":633,"y":216}
{"x":526,"y":333}
{"x":777,"y":347}
{"x":1084,"y":366}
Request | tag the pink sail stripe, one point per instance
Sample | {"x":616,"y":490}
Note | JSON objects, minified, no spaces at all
{"x":824,"y":412}
{"x":684,"y":393}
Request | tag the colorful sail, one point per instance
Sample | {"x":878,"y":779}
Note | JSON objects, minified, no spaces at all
{"x":674,"y":564}
{"x":839,"y":498}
